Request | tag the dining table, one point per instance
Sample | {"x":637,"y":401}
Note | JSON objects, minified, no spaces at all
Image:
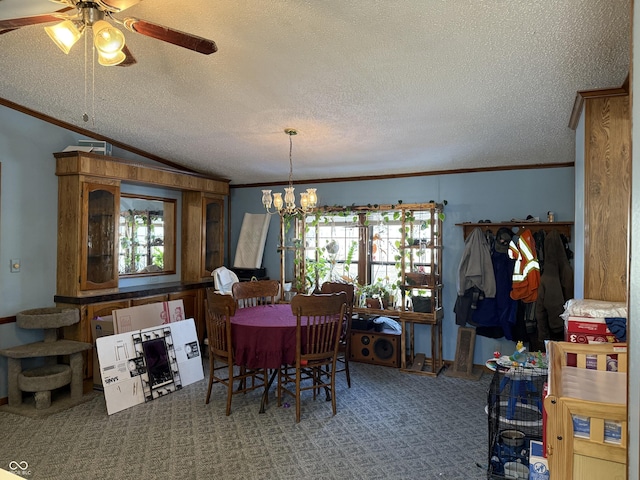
{"x":264,"y":337}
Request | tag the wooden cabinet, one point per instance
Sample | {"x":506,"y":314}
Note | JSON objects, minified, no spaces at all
{"x":81,"y":331}
{"x":88,"y":243}
{"x":89,"y":212}
{"x":135,"y":302}
{"x":90,"y":307}
{"x":202,"y":235}
{"x":104,"y":309}
{"x":599,"y":448}
{"x":193,"y":301}
{"x":87,"y":234}
{"x":100,"y":213}
{"x":213,"y":254}
{"x":602,"y":119}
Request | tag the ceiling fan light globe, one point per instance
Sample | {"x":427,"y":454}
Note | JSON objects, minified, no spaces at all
{"x":107,"y":38}
{"x":65,"y":34}
{"x":111,"y":60}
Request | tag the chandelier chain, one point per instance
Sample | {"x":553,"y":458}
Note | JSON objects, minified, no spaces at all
{"x":290,"y":161}
{"x":287,"y":205}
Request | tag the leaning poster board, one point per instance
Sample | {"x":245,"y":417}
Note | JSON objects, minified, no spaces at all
{"x":253,"y":234}
{"x":149,"y":315}
{"x":140,"y":366}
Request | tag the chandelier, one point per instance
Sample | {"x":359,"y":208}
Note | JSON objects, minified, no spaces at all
{"x":287,"y":206}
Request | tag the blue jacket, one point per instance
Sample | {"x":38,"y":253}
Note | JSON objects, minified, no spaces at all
{"x":499,"y":311}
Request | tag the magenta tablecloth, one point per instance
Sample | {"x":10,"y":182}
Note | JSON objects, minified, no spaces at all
{"x":264,"y":336}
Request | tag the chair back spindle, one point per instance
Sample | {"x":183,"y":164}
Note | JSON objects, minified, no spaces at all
{"x":252,"y":294}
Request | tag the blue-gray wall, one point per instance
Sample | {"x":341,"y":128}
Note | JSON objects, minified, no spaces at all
{"x":497,"y":196}
{"x":28,"y":215}
{"x":28,"y":220}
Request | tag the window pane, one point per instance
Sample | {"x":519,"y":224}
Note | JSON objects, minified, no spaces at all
{"x":385,"y":234}
{"x":331,"y":252}
{"x":142,"y":235}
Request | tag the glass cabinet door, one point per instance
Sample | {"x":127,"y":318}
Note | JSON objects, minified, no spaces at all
{"x":99,"y":267}
{"x":213,"y":244}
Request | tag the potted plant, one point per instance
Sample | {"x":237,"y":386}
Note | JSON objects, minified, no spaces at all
{"x":379,"y":290}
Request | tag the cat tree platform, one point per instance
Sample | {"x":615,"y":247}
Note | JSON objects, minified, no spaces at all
{"x":44,"y":380}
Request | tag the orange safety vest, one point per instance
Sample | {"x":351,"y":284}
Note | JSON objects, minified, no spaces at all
{"x":526,"y":271}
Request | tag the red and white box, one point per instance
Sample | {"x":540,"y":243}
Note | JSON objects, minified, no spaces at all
{"x":588,"y":330}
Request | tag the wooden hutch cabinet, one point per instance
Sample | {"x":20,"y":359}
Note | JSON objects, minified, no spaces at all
{"x":88,"y":239}
{"x":87,"y":234}
{"x":203,"y":231}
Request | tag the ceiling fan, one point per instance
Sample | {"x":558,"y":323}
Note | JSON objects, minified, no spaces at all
{"x":108,"y":40}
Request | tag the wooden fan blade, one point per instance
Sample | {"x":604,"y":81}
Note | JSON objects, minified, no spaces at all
{"x":170,"y":35}
{"x":14,"y":23}
{"x":130,"y":60}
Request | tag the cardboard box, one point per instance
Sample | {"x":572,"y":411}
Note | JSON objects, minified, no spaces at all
{"x":575,"y":337}
{"x":124,"y":363}
{"x":100,"y":327}
{"x":538,"y":464}
{"x":146,"y":316}
{"x":588,"y":330}
{"x":588,"y":325}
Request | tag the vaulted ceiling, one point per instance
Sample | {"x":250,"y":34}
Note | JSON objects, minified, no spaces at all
{"x":373,"y":88}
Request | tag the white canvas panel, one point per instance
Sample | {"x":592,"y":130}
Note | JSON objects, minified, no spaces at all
{"x":187,"y":349}
{"x":253,"y":235}
{"x":122,"y":386}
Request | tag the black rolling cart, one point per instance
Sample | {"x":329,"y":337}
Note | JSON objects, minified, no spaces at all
{"x":514,"y":412}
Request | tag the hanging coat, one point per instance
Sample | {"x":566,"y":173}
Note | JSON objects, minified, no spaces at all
{"x":526,"y":272}
{"x":475,"y":276}
{"x":476,"y":269}
{"x":556,"y":288}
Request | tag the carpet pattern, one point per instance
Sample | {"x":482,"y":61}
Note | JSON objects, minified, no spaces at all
{"x":390,"y":425}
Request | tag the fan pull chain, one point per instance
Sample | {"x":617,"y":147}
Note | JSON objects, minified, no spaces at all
{"x":93,"y":85}
{"x":85,"y":117}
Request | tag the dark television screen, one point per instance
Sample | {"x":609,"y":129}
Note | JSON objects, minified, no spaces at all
{"x":157,"y":360}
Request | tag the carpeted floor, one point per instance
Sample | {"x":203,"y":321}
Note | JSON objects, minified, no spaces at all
{"x":390,"y":425}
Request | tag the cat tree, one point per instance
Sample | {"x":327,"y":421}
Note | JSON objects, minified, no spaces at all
{"x":54,"y":374}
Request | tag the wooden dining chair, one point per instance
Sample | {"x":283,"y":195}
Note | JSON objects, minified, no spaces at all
{"x":220,"y":309}
{"x":318,"y":328}
{"x":254,"y":293}
{"x":344,"y":347}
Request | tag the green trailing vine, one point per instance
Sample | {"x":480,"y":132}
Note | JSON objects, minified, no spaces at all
{"x":315,"y":269}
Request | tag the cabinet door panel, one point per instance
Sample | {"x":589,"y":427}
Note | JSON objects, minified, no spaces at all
{"x":93,"y":311}
{"x":213,"y":235}
{"x":99,"y":236}
{"x":106,"y":308}
{"x":147,"y":300}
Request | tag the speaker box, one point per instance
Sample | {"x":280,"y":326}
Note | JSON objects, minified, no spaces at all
{"x":378,"y":348}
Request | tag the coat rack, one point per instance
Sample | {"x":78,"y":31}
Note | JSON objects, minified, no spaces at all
{"x":563,"y":228}
{"x":463,"y":363}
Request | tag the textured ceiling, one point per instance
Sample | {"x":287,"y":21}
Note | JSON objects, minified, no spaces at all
{"x":373,"y":87}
